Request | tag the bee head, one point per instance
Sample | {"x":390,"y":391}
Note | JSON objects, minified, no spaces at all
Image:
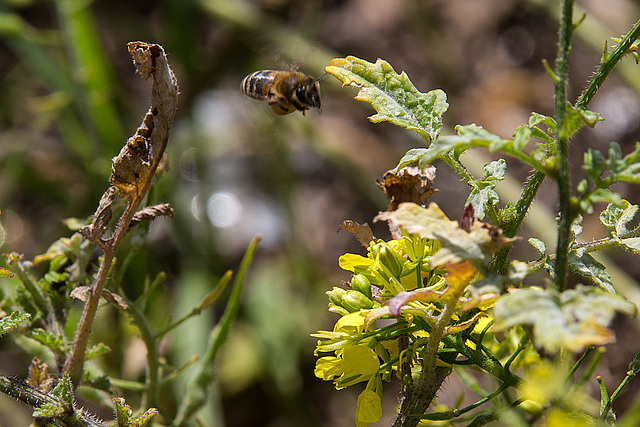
{"x":309,"y":93}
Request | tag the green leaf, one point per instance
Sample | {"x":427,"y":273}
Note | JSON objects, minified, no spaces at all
{"x":495,"y":171}
{"x":626,"y":169}
{"x":521,"y":137}
{"x":632,"y":244}
{"x":61,"y":402}
{"x":458,"y":245}
{"x":392,"y":95}
{"x":616,"y":217}
{"x":573,"y":319}
{"x":575,"y":119}
{"x":96,"y":351}
{"x":538,"y":245}
{"x":599,"y":195}
{"x":535,"y":120}
{"x":471,"y":136}
{"x":411,"y":156}
{"x":12,"y":321}
{"x":483,"y":193}
{"x":124,"y":414}
{"x":585,"y":265}
{"x":54,"y":341}
{"x":594,"y":164}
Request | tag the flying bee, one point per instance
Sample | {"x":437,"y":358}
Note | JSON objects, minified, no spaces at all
{"x":284,"y":91}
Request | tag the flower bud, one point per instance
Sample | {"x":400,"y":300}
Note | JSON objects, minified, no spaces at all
{"x":360,"y":283}
{"x":348,"y":300}
{"x":354,"y":301}
{"x":390,"y":263}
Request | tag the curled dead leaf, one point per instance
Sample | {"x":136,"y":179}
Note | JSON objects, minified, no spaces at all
{"x":151,"y":212}
{"x":410,"y":184}
{"x":81,"y":293}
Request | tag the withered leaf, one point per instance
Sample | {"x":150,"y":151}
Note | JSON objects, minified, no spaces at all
{"x":101,"y":218}
{"x":39,"y":377}
{"x":362,"y":232}
{"x":81,"y":293}
{"x":476,"y":245}
{"x":150,"y":213}
{"x":133,"y":169}
{"x":410,"y":184}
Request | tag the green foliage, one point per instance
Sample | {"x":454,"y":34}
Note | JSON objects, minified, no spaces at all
{"x":392,"y":95}
{"x":125,"y":418}
{"x":12,"y":321}
{"x":620,"y":169}
{"x":450,"y":307}
{"x":616,"y":219}
{"x":483,"y":191}
{"x":197,"y":390}
{"x":573,"y":320}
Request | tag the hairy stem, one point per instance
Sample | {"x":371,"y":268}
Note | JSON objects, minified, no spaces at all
{"x":608,"y":62}
{"x":564,"y":177}
{"x":425,"y":387}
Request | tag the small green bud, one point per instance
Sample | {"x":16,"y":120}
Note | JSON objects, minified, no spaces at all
{"x":390,"y":262}
{"x":336,"y":296}
{"x":360,"y":283}
{"x":353,"y":301}
{"x":348,"y":300}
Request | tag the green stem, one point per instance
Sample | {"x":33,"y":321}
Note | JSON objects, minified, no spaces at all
{"x":500,"y":262}
{"x":151,"y":343}
{"x":564,"y":177}
{"x":614,"y":396}
{"x":607,"y":64}
{"x":454,"y":413}
{"x":591,"y":367}
{"x":582,"y":358}
{"x":199,"y":384}
{"x":426,"y":386}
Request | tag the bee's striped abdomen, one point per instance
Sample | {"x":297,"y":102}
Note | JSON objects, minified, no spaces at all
{"x":257,"y":85}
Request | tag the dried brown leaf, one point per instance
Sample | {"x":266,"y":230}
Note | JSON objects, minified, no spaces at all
{"x":362,"y":232}
{"x":410,"y":184}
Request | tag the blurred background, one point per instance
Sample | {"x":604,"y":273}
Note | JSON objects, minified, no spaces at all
{"x":69,"y":99}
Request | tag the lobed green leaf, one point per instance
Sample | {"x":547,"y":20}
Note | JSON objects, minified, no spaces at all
{"x":616,"y":217}
{"x":573,"y":319}
{"x":585,"y":265}
{"x":392,"y":95}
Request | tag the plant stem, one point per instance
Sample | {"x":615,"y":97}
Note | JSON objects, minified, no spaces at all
{"x":614,"y":396}
{"x":425,"y":387}
{"x":200,"y":382}
{"x":607,"y":63}
{"x":75,"y":362}
{"x":500,"y":260}
{"x":564,"y":177}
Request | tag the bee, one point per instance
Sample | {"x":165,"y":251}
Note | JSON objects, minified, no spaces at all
{"x":284,"y":91}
